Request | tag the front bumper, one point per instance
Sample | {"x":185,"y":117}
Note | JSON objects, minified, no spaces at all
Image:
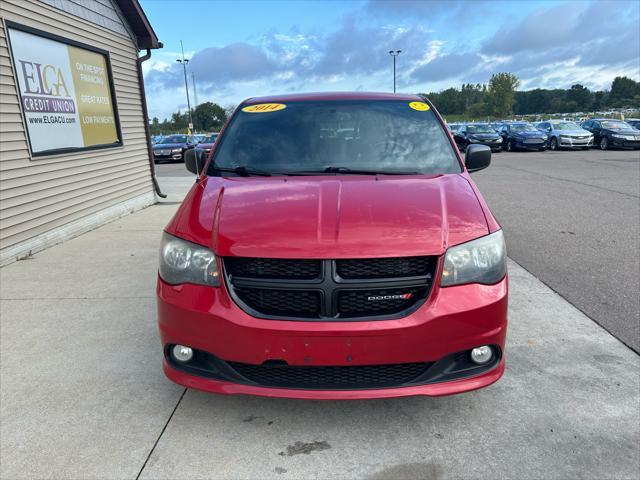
{"x":521,"y":145}
{"x":167,"y":156}
{"x":453,"y":319}
{"x":622,"y":143}
{"x":574,"y":143}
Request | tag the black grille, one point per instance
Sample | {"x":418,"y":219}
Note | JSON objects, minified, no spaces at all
{"x":360,"y":303}
{"x":329,"y":290}
{"x":281,"y":302}
{"x":384,"y":267}
{"x":345,"y":377}
{"x":273,"y":268}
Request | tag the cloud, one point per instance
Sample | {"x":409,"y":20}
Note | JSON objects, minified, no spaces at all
{"x":547,"y":45}
{"x":218,"y":65}
{"x":446,"y":66}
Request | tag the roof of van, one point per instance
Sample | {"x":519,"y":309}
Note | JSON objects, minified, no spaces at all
{"x":326,"y":96}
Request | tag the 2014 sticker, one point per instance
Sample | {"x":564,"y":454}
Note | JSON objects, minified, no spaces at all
{"x":420,"y":106}
{"x":264,"y":107}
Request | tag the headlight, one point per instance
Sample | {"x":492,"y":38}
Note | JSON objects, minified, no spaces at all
{"x":473,"y":139}
{"x":617,"y":136}
{"x":186,"y":262}
{"x":483,"y":260}
{"x":176,"y":150}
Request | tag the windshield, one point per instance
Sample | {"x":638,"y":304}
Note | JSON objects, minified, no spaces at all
{"x":358,"y":135}
{"x":210,"y":138}
{"x":565,"y":126}
{"x":522,"y":127}
{"x":174,"y":139}
{"x":615,"y":125}
{"x":480,"y":129}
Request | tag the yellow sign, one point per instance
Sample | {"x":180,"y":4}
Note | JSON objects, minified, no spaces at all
{"x":420,"y":106}
{"x":97,"y":119}
{"x":264,"y":107}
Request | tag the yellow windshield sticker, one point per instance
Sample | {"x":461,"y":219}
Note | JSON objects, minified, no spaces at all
{"x":420,"y":106}
{"x":264,"y":107}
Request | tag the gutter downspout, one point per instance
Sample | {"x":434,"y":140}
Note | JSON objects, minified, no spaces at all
{"x":145,"y":115}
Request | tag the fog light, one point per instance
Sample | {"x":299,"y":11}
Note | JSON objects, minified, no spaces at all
{"x":480,"y":355}
{"x":181,"y":353}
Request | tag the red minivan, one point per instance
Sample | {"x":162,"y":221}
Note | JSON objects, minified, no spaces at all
{"x":334,"y":247}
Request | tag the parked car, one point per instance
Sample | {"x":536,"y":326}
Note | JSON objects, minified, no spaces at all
{"x":198,"y":138}
{"x":609,"y":133}
{"x":309,"y":265}
{"x":172,"y":148}
{"x":634,"y":122}
{"x":204,"y":148}
{"x":478,"y":133}
{"x":564,"y":134}
{"x":522,"y":136}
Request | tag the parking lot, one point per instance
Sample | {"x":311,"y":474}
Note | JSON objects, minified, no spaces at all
{"x":567,"y":407}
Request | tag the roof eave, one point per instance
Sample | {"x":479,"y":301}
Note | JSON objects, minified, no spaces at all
{"x":139,"y":24}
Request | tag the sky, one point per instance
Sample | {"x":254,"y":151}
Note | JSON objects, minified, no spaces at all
{"x":240,"y":49}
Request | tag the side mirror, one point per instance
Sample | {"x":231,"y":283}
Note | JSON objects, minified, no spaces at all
{"x":194,"y":161}
{"x":477,"y":157}
{"x":548,"y":129}
{"x":190,"y":161}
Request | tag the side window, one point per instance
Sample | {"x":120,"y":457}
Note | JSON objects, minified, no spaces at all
{"x":462,"y":130}
{"x":595,"y":125}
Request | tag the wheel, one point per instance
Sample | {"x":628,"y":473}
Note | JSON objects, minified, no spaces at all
{"x":553,"y":144}
{"x":604,"y":143}
{"x":509,"y":146}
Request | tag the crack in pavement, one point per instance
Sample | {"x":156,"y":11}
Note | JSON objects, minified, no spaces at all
{"x":161,"y":433}
{"x":571,"y":181}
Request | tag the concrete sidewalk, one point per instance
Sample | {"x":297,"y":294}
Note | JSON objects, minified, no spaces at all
{"x":83,"y":394}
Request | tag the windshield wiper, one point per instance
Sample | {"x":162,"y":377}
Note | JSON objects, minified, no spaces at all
{"x":350,"y":171}
{"x":243,"y":171}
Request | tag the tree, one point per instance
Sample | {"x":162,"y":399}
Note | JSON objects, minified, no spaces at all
{"x":502,"y":92}
{"x":623,"y":89}
{"x":208,"y":117}
{"x":581,"y":96}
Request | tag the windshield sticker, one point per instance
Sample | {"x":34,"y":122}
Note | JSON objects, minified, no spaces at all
{"x":420,"y":106}
{"x":264,"y":107}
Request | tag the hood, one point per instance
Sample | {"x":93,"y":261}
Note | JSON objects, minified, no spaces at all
{"x":330,"y":217}
{"x":484,"y":136}
{"x":624,"y":131}
{"x":205,"y":146}
{"x":574,"y":133}
{"x":169,"y":145}
{"x":530,"y":133}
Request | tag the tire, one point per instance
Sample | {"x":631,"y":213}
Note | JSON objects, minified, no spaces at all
{"x":553,"y":144}
{"x":604,"y":143}
{"x":509,"y":146}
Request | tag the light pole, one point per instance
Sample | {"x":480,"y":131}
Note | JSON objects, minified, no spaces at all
{"x":184,"y":62}
{"x":394,"y":54}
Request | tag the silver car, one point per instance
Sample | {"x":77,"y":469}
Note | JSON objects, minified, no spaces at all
{"x":565,"y":134}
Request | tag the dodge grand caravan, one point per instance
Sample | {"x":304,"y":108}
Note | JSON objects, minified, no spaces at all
{"x":334,"y":246}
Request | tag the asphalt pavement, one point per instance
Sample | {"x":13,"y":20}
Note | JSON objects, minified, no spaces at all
{"x":572,"y":219}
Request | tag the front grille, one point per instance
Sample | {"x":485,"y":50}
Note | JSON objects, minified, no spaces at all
{"x":360,"y":303}
{"x":384,"y":267}
{"x":329,"y":290}
{"x":273,"y":268}
{"x":332,"y":377}
{"x":281,"y":302}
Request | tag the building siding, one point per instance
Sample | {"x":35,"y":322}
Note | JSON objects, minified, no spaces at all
{"x":41,"y":194}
